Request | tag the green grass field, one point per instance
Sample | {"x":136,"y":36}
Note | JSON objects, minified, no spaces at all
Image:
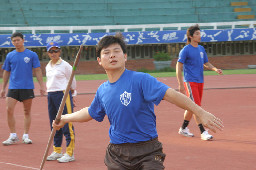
{"x":160,"y":74}
{"x":167,"y":74}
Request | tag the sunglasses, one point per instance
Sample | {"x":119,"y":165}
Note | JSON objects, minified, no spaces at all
{"x":54,"y":51}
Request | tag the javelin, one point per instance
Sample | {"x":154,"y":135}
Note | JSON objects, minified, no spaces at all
{"x":61,"y":108}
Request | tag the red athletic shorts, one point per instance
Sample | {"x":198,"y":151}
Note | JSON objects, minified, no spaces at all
{"x":194,"y":91}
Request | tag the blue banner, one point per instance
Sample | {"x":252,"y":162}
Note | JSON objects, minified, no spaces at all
{"x":132,"y":38}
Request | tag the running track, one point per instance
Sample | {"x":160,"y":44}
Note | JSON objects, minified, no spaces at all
{"x":230,"y":97}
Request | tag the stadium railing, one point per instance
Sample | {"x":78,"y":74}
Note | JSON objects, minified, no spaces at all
{"x":126,"y":28}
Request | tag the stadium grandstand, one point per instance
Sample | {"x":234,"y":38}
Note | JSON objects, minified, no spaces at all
{"x":148,"y":25}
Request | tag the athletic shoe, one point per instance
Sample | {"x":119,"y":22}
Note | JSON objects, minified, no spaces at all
{"x":54,"y":156}
{"x":26,"y":140}
{"x":11,"y":141}
{"x":206,"y":136}
{"x":66,"y":158}
{"x":185,"y":132}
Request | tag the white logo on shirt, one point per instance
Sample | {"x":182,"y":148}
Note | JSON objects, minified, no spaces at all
{"x":125,"y":98}
{"x":202,"y":55}
{"x":26,"y":59}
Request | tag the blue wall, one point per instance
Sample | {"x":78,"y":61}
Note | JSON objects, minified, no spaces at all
{"x":132,"y":38}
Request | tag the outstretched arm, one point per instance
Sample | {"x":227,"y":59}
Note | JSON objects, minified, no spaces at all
{"x":209,"y":66}
{"x":79,"y":116}
{"x":182,"y":101}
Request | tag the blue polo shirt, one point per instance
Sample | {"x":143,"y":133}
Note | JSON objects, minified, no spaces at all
{"x":193,"y":59}
{"x":129,"y":106}
{"x":20,"y":65}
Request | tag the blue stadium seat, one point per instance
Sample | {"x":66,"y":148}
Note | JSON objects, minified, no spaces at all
{"x":117,"y":12}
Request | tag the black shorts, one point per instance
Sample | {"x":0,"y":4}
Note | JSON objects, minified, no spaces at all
{"x":135,"y":156}
{"x":21,"y":94}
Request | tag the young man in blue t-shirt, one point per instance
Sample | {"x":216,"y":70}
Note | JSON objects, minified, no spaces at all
{"x":192,"y":60}
{"x":18,"y":67}
{"x":128,"y":100}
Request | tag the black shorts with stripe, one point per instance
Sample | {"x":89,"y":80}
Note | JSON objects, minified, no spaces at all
{"x":21,"y":94}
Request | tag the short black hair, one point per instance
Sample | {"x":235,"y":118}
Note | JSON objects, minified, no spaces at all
{"x":190,"y":32}
{"x":17,"y":34}
{"x":109,"y":40}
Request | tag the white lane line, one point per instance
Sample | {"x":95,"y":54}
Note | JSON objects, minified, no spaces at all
{"x":18,"y":165}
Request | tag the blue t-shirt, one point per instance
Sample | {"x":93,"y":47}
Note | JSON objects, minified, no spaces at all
{"x":193,"y":59}
{"x":20,"y":65}
{"x":129,"y":105}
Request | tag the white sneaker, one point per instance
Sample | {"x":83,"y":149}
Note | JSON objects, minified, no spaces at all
{"x":11,"y":141}
{"x":54,"y":156}
{"x":66,"y":158}
{"x":26,"y":140}
{"x":185,"y":132}
{"x":206,"y":136}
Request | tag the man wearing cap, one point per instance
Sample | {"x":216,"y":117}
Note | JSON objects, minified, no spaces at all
{"x":18,"y":67}
{"x":58,"y":73}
